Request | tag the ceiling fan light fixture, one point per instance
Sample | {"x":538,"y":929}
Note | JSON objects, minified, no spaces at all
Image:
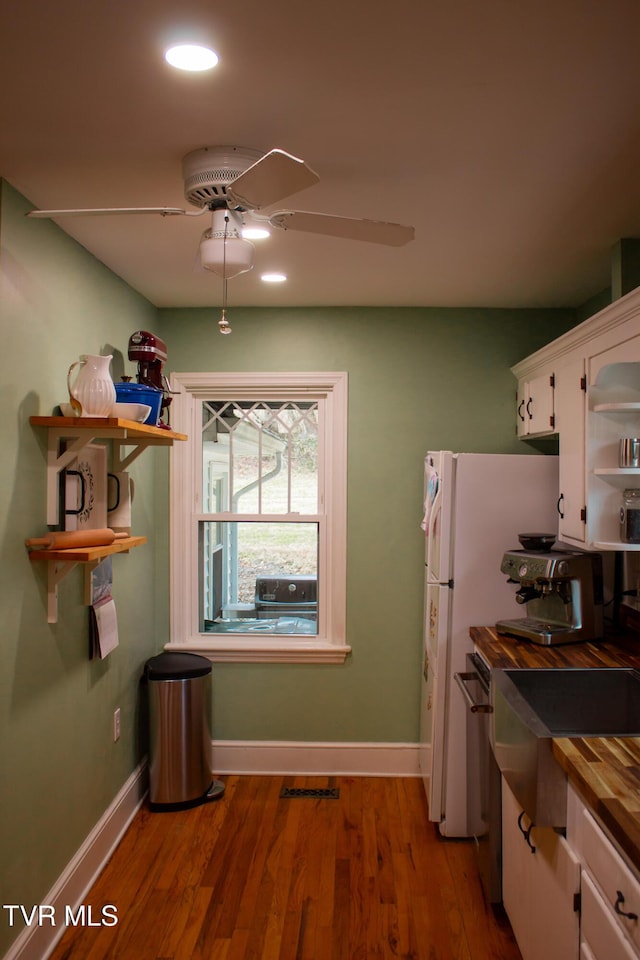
{"x":227,"y":257}
{"x":222,"y":250}
{"x":191,"y":57}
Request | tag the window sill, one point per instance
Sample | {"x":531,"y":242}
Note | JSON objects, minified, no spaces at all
{"x":280,"y":650}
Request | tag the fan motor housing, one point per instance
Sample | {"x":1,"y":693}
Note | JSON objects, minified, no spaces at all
{"x":208,"y":172}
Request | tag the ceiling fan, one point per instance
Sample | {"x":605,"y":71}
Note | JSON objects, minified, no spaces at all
{"x":234,"y":184}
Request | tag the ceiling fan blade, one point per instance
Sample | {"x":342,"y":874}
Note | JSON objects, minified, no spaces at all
{"x":372,"y":231}
{"x":271,"y":178}
{"x":98,"y":211}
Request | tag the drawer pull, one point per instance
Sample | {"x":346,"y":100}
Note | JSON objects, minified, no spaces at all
{"x":618,"y":907}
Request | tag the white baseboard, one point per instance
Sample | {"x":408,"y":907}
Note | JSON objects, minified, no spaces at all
{"x":288,"y":757}
{"x":37,"y":941}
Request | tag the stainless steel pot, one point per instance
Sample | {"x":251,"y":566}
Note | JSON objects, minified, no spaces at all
{"x":629,"y":452}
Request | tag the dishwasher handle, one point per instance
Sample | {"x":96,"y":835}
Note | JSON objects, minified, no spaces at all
{"x":462,"y":679}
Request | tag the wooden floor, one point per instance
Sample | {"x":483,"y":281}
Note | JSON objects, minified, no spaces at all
{"x":255,"y":877}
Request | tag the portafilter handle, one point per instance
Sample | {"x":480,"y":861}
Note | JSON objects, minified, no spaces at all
{"x":525,"y":594}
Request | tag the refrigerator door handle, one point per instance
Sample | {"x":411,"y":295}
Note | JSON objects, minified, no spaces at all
{"x":433,"y":518}
{"x":462,"y":679}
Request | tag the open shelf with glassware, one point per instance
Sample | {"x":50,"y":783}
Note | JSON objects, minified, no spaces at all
{"x":67,"y":438}
{"x":614,"y":414}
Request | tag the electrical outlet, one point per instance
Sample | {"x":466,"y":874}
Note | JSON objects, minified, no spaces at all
{"x":116,"y":724}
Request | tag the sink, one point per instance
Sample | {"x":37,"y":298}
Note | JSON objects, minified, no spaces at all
{"x":532,"y":706}
{"x":583,"y":702}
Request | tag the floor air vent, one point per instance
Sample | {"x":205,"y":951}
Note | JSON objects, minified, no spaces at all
{"x":320,"y":793}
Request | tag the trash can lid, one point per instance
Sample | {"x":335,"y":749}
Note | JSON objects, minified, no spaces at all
{"x":176,"y":666}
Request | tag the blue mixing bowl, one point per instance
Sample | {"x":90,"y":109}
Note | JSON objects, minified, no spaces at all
{"x":141,"y":393}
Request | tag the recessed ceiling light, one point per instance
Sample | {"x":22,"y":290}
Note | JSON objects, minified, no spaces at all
{"x":273,"y":277}
{"x":190,"y":56}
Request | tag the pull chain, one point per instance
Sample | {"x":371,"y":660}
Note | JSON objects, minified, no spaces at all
{"x":223,"y":323}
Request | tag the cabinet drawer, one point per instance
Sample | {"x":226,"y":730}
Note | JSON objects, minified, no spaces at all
{"x":600,"y":935}
{"x":616,"y":881}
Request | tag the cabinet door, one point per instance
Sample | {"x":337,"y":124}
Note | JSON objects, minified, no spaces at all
{"x":535,"y":406}
{"x":516,"y":874}
{"x":540,"y":881}
{"x":540,"y":405}
{"x":556,"y":885}
{"x":570,"y":408}
{"x":522,"y":395}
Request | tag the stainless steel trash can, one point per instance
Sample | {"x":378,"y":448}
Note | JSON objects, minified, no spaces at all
{"x":179,"y":689}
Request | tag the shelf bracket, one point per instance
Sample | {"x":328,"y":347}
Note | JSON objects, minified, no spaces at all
{"x":120,"y":462}
{"x":55,"y":573}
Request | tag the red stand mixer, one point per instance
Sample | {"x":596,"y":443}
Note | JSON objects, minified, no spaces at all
{"x":150,"y":352}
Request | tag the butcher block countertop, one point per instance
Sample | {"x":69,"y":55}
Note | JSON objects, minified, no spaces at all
{"x":604,"y":770}
{"x":508,"y":652}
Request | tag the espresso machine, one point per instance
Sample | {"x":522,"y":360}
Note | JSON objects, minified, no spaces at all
{"x":562,"y":591}
{"x":150,"y":352}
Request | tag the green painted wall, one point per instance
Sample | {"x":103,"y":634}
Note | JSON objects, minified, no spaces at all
{"x":418,"y":379}
{"x":59,"y":768}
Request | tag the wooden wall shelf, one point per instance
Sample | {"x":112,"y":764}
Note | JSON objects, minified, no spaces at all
{"x":67,"y":437}
{"x":79,"y":432}
{"x":98,"y":425}
{"x":61,"y":562}
{"x":86,"y":554}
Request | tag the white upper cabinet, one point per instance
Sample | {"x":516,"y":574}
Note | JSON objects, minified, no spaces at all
{"x":535,"y":406}
{"x":594,"y":402}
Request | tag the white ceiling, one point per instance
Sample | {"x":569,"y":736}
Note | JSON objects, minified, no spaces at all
{"x":506,"y":131}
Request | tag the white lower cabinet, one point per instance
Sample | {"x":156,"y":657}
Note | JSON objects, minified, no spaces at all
{"x":541,"y":883}
{"x":610,"y":890}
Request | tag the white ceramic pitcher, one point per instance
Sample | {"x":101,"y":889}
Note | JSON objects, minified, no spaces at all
{"x":93,"y":389}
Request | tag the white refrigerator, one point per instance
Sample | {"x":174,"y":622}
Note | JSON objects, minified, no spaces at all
{"x":474,"y":508}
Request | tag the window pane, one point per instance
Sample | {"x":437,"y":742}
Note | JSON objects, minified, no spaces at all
{"x":259,"y":457}
{"x":259,"y":577}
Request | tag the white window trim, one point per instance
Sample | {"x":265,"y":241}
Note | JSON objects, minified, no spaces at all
{"x":185,"y":480}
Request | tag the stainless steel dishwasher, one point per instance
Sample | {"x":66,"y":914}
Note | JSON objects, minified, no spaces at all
{"x":484,"y":797}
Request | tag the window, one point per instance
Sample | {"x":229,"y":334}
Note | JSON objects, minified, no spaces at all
{"x":258,"y":516}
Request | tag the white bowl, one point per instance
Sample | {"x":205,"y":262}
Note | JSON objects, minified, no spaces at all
{"x":138,"y":412}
